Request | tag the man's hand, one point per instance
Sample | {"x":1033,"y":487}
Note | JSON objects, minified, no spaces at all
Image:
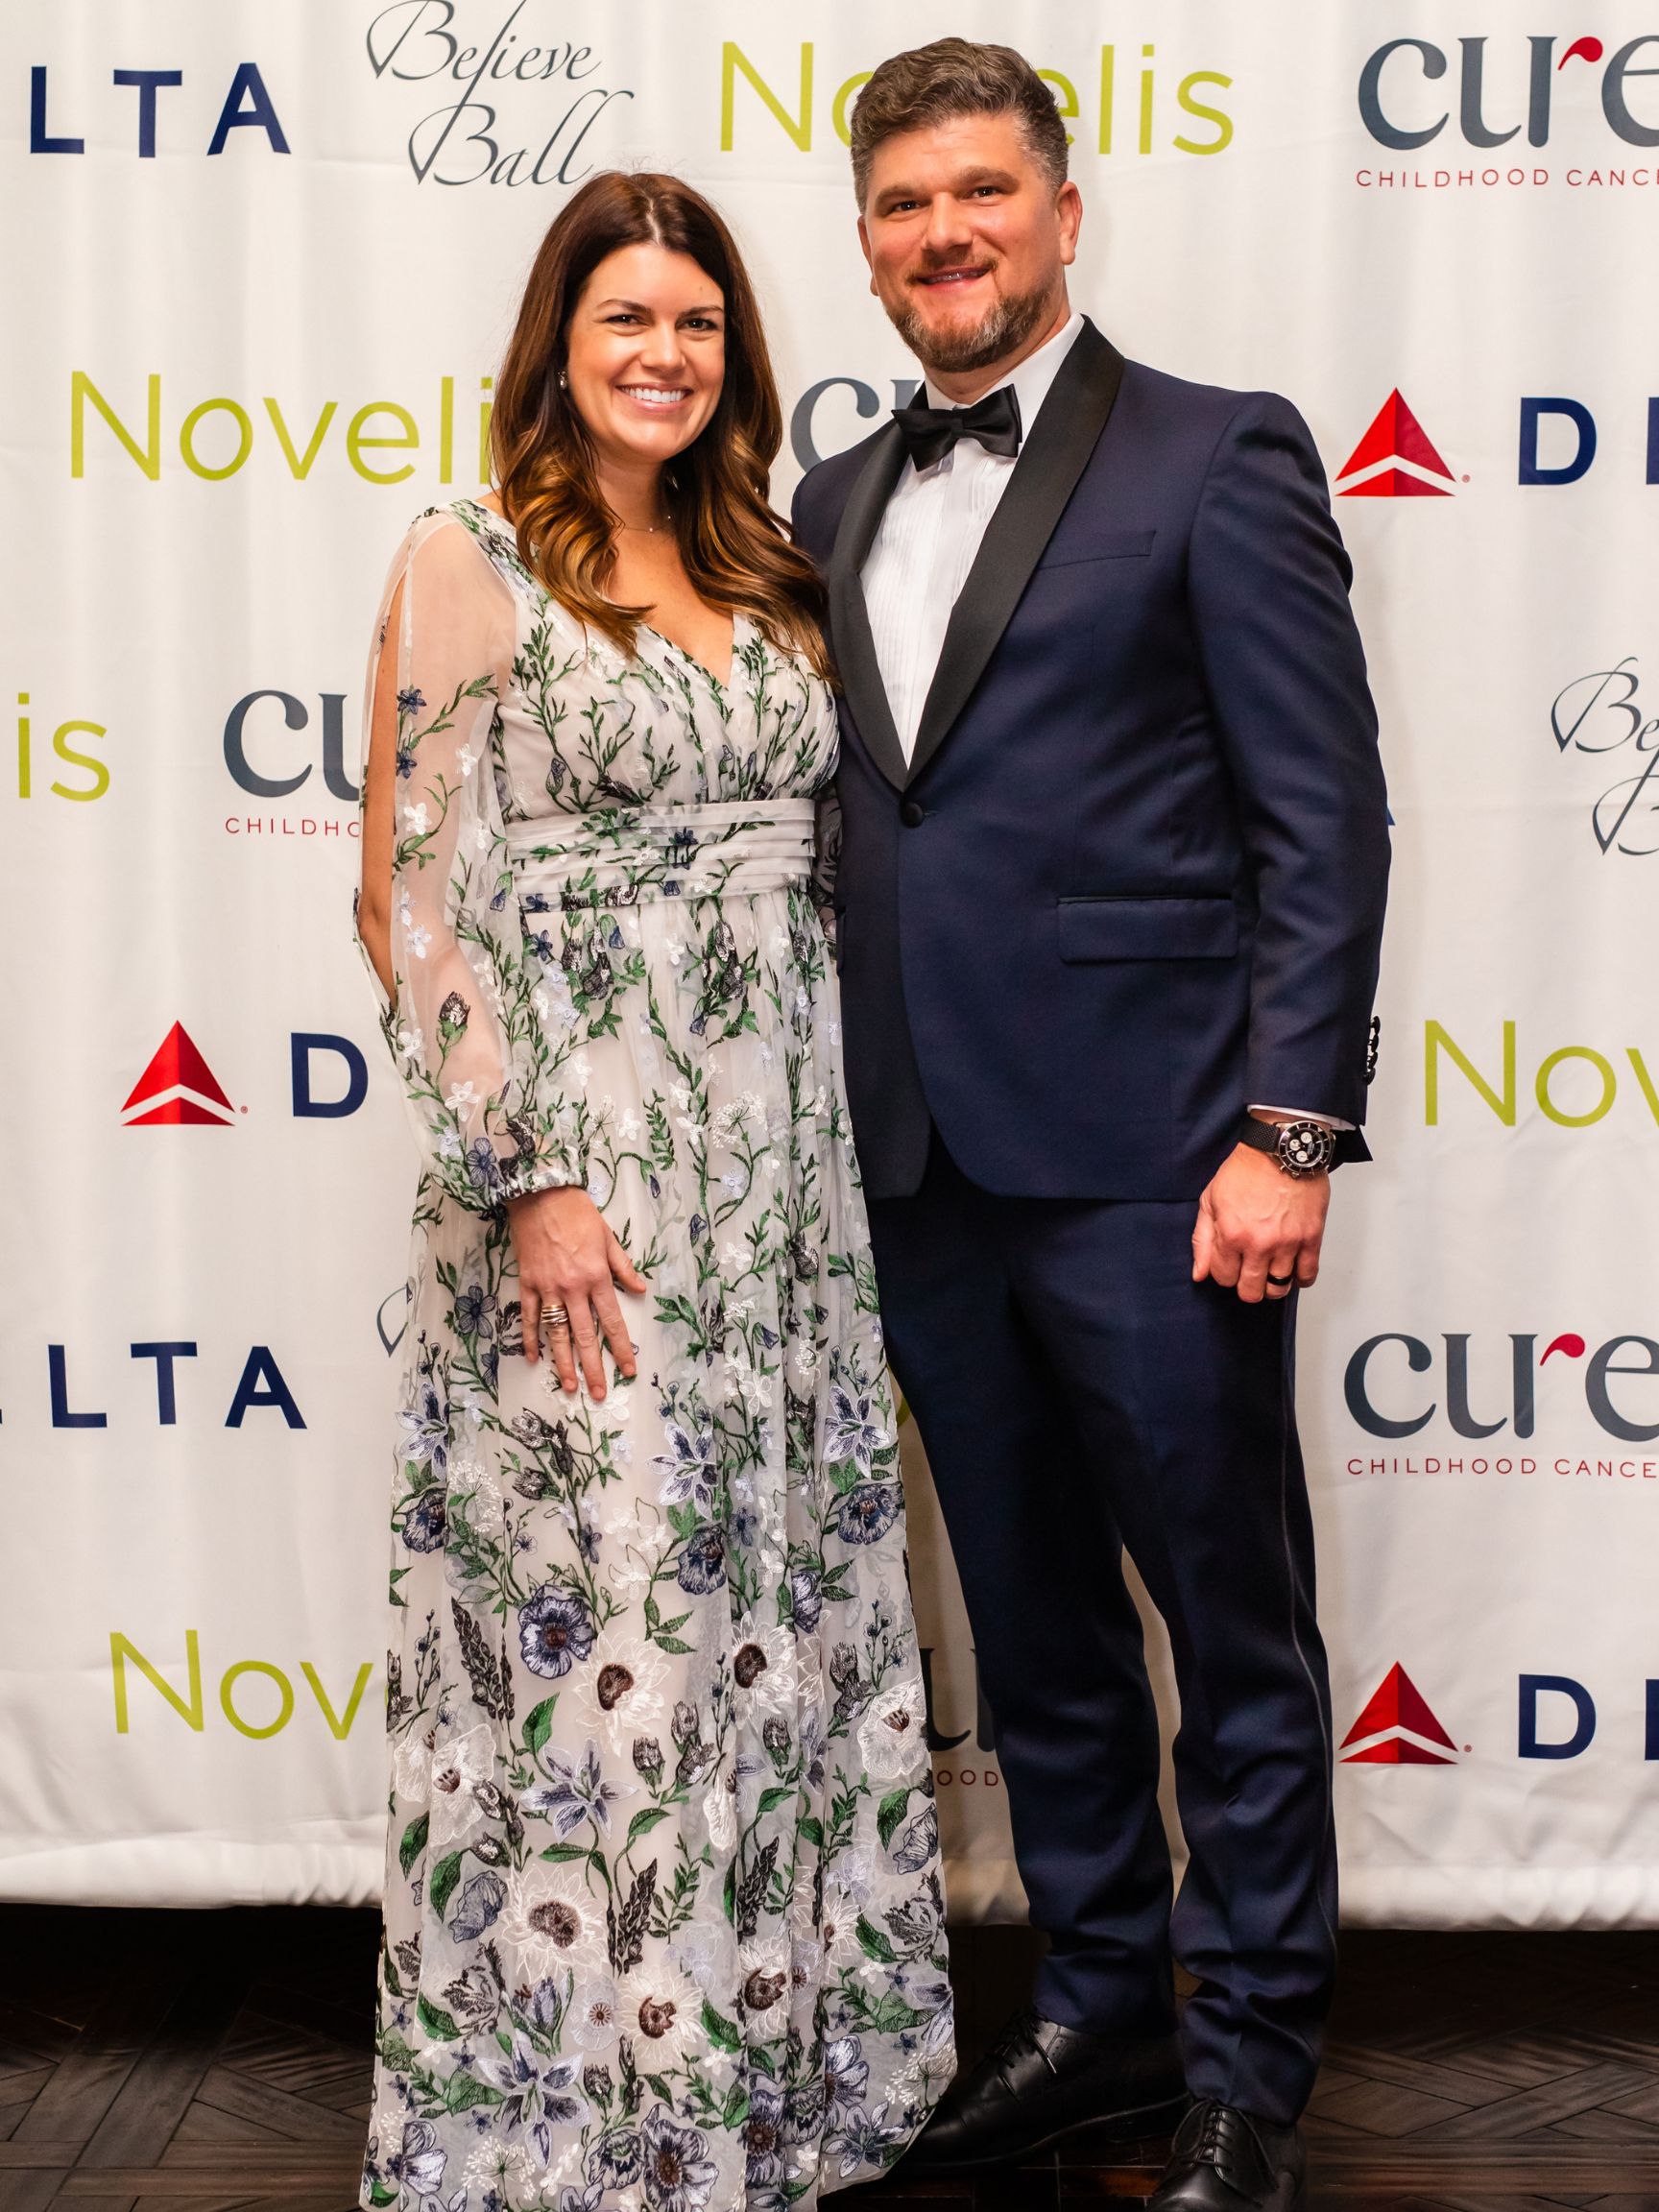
{"x":1256,"y":1222}
{"x":567,"y":1257}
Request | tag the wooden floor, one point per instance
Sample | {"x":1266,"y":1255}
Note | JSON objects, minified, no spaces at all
{"x":200,"y":2061}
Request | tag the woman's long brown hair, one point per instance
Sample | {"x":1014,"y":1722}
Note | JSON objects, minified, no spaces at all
{"x":734,"y":549}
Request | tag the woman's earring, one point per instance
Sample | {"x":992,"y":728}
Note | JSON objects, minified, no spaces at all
{"x":563,"y":381}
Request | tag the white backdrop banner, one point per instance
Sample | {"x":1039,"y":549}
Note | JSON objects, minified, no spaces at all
{"x":261,"y":266}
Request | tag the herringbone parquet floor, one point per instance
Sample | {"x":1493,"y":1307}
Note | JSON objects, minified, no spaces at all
{"x":204,"y":2062}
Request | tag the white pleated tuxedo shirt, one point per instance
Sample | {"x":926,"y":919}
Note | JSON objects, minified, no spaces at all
{"x":928,"y":540}
{"x":920,"y":557}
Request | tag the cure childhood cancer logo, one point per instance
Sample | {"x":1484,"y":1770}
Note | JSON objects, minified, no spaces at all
{"x":1473,"y":99}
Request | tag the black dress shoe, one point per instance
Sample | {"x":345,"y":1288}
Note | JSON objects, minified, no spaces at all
{"x":1223,"y":2160}
{"x":1040,"y":2083}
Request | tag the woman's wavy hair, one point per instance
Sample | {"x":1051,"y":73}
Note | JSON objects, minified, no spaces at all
{"x":735,"y":550}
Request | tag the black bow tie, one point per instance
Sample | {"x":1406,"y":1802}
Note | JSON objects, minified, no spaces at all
{"x":931,"y":432}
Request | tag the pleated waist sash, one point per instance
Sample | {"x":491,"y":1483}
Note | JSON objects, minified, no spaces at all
{"x":622,"y":855}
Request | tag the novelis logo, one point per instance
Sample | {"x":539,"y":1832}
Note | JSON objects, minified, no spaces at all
{"x":218,"y":437}
{"x":1394,"y":459}
{"x":1575,"y":1086}
{"x":1398,"y":1728}
{"x":178,"y":1087}
{"x":191,"y":1704}
{"x":1128,"y":100}
{"x":73,"y":756}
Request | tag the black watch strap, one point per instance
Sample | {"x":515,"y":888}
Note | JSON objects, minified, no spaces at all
{"x":1297,"y":1147}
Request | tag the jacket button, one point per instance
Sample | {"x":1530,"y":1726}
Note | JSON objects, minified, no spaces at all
{"x":912,"y":815}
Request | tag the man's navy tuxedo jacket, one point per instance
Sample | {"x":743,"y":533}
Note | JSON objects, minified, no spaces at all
{"x":1133,"y":877}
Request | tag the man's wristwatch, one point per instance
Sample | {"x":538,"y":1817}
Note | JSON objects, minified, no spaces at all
{"x":1299,"y":1147}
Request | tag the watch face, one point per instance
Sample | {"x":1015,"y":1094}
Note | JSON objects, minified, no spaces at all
{"x":1305,"y":1147}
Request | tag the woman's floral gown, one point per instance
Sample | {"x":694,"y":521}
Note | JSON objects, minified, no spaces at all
{"x":662,"y":1908}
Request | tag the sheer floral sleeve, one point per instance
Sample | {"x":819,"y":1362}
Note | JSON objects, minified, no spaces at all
{"x":826,"y":861}
{"x":465,"y":1024}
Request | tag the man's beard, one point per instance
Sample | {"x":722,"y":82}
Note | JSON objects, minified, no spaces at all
{"x":1001,"y":329}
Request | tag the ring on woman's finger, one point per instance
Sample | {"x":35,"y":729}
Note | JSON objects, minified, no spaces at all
{"x":555,"y":1317}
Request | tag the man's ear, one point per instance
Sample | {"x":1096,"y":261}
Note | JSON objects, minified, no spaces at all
{"x":1070,"y":210}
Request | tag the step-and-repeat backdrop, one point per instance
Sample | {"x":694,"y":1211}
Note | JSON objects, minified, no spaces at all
{"x":259,"y":268}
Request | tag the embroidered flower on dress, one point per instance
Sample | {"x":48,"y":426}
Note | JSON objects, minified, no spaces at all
{"x":660,"y":2009}
{"x":551,"y":1923}
{"x":703,"y":1562}
{"x":677,"y":2171}
{"x":868,"y":1511}
{"x":891,"y":1729}
{"x":555,"y":1631}
{"x":578,"y":1793}
{"x":855,"y":1429}
{"x":620,"y":1693}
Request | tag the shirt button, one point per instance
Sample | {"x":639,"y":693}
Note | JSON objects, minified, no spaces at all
{"x":912,"y":815}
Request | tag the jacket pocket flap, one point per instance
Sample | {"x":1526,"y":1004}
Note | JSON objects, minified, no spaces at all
{"x":1105,"y":546}
{"x":1147,"y":928}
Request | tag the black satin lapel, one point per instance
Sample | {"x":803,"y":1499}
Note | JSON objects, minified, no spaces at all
{"x":853,"y":646}
{"x":1065,"y":433}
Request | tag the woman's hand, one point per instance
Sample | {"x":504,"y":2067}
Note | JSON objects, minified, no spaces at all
{"x":567,"y":1257}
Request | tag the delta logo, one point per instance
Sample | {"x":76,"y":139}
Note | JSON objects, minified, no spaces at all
{"x":1398,"y":1728}
{"x":178,"y":1086}
{"x":1395,"y":460}
{"x":327,"y":1079}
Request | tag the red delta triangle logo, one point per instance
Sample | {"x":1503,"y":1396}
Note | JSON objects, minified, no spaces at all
{"x":1395,"y":460}
{"x":177,"y":1087}
{"x":1398,"y":1729}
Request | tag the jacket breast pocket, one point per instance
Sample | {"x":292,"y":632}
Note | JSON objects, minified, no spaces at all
{"x":1130,"y":928}
{"x":1073,"y":552}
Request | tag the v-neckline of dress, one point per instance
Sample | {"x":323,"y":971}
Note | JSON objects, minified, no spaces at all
{"x":721,"y":684}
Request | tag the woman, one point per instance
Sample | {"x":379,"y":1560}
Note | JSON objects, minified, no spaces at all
{"x":662,"y":1901}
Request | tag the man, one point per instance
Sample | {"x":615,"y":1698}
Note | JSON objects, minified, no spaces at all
{"x":1109,"y":907}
